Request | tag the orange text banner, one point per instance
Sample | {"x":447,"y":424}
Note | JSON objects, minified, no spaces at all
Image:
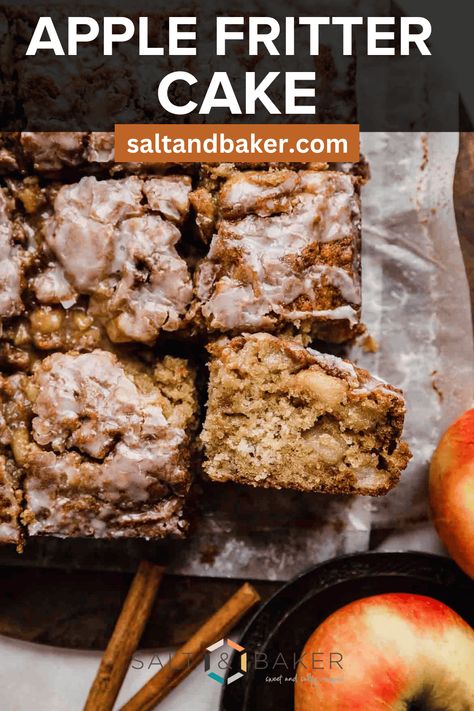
{"x":250,"y":143}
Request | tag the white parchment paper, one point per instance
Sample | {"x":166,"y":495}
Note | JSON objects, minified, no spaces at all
{"x":415,"y":300}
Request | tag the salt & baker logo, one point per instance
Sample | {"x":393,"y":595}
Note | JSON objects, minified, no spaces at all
{"x":217,"y":660}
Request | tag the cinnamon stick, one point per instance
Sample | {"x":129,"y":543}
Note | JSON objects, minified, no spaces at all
{"x":125,"y":638}
{"x":193,"y":651}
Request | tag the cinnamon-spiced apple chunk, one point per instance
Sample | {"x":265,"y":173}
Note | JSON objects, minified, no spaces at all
{"x":284,"y":253}
{"x":284,"y":416}
{"x":102,"y":444}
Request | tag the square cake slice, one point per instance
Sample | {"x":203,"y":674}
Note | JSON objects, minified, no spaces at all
{"x":51,"y":154}
{"x":72,"y":154}
{"x":103,"y":444}
{"x":284,"y":416}
{"x":106,"y":252}
{"x":284,"y":255}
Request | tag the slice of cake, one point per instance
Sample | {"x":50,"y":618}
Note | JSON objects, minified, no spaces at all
{"x":284,"y":253}
{"x":284,"y":416}
{"x":102,"y":445}
{"x":72,"y":154}
{"x":50,"y":154}
{"x":103,"y":256}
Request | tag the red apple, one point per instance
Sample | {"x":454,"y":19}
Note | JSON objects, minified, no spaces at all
{"x":452,"y":491}
{"x":389,"y":652}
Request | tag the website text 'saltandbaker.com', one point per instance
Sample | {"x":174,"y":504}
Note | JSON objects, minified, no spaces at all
{"x":249,"y":143}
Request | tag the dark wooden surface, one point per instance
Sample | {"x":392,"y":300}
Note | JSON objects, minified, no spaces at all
{"x":464,"y":204}
{"x":78,"y":608}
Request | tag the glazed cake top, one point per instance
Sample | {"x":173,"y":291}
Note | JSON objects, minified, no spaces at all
{"x":266,"y":255}
{"x":96,"y":431}
{"x":115,"y":241}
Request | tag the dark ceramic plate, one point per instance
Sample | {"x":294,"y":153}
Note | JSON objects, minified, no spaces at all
{"x":282,"y":625}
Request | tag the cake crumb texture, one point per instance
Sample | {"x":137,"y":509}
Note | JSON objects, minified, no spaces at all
{"x":285,"y":416}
